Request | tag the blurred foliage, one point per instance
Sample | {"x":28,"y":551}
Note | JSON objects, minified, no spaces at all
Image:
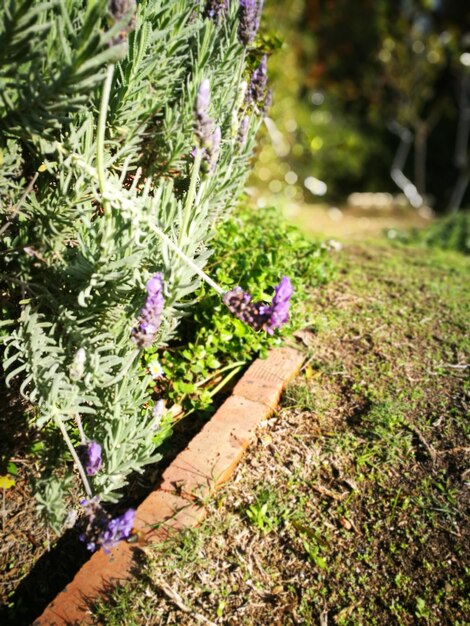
{"x":347,"y":79}
{"x":452,"y":233}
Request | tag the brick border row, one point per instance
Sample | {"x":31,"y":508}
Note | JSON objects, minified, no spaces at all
{"x":208,"y":461}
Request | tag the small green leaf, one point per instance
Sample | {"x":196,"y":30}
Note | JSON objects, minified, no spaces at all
{"x":12,"y":469}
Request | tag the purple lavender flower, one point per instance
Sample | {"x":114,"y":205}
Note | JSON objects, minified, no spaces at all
{"x":208,"y":135}
{"x":203,"y":124}
{"x":120,"y":9}
{"x":278,"y":312}
{"x":249,"y":16}
{"x":203,"y":98}
{"x":257,"y":314}
{"x":239,"y":304}
{"x":259,"y":79}
{"x":150,"y":315}
{"x":90,"y":456}
{"x":268,"y":100}
{"x":216,"y":10}
{"x":243,"y":131}
{"x":101,"y":530}
{"x":212,"y":150}
{"x":117,"y":529}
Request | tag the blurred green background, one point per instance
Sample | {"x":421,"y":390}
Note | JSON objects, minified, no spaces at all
{"x":370,"y":96}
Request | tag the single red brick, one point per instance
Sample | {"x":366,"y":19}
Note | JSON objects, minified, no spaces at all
{"x":265,"y":379}
{"x":196,"y":472}
{"x":213,"y":454}
{"x":285,"y":362}
{"x":162,"y":512}
{"x":241,"y":417}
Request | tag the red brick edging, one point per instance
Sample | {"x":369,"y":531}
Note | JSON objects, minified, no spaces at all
{"x":208,"y":461}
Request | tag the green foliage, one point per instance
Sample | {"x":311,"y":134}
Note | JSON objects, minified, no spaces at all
{"x":97,"y":187}
{"x":253,"y":249}
{"x":451,"y":233}
{"x":262,"y":513}
{"x":50,"y":494}
{"x":349,"y":75}
{"x":313,"y":132}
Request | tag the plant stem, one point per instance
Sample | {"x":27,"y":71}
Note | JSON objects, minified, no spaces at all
{"x":80,"y":428}
{"x":74,"y":454}
{"x":17,"y":208}
{"x":101,"y":130}
{"x":187,"y":260}
{"x":218,"y":372}
{"x":225,"y":380}
{"x":190,"y":195}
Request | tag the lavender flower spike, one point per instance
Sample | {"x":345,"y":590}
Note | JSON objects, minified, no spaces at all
{"x":90,"y":456}
{"x":117,"y":529}
{"x":216,"y":10}
{"x":101,"y":530}
{"x":267,"y":102}
{"x":120,"y":9}
{"x":212,"y":152}
{"x":278,"y":313}
{"x":258,"y":83}
{"x":249,"y":17}
{"x":207,"y":133}
{"x":257,"y":314}
{"x":150,"y":315}
{"x":203,"y":124}
{"x":239,"y":304}
{"x":203,"y":98}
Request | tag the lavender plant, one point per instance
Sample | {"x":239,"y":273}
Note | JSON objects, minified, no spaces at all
{"x":124,"y":137}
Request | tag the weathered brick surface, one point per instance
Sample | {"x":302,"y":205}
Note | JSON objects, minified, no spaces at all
{"x":213,"y":454}
{"x":265,"y":378}
{"x":208,"y":461}
{"x":162,"y":513}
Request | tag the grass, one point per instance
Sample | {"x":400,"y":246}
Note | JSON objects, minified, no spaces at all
{"x":353,"y":507}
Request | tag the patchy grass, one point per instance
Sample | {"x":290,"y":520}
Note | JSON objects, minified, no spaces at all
{"x":353,"y":507}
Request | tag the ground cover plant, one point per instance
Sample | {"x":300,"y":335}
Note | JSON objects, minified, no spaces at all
{"x":257,"y":247}
{"x":125,"y":135}
{"x":353,"y":507}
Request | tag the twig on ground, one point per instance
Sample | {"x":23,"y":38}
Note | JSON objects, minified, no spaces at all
{"x":172,"y":595}
{"x":330,"y":494}
{"x":431,"y":451}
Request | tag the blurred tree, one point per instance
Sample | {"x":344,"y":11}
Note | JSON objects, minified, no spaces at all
{"x":318,"y":141}
{"x":396,"y":65}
